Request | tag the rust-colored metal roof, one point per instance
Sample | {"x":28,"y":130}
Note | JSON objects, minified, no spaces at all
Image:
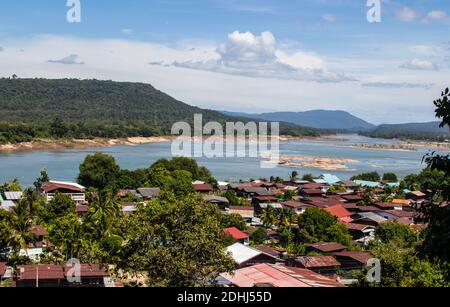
{"x":317,"y":261}
{"x":362,"y":257}
{"x":328,"y":247}
{"x":338,"y":211}
{"x":278,"y":276}
{"x":39,"y":231}
{"x":53,"y":186}
{"x":235,"y":233}
{"x":43,"y":271}
{"x":203,"y":187}
{"x":2,"y":268}
{"x":88,"y":270}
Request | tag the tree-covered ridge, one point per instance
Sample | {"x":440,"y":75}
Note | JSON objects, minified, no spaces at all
{"x":72,"y":108}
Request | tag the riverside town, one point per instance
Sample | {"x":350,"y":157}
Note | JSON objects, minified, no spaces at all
{"x":207,"y":149}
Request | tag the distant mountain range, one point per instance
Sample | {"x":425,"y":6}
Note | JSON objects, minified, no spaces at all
{"x":341,"y":120}
{"x":320,"y":119}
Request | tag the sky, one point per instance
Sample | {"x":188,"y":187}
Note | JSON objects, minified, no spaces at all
{"x":244,"y":55}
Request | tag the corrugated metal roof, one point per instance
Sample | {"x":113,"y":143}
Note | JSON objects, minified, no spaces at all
{"x":242,"y":253}
{"x":13,"y":195}
{"x":278,"y":276}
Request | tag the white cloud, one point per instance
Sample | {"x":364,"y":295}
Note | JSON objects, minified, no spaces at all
{"x":436,"y":16}
{"x":407,"y":14}
{"x":393,"y":85}
{"x":252,"y":55}
{"x":68,"y":60}
{"x":423,"y":49}
{"x":418,"y":64}
{"x":127,"y":31}
{"x":329,"y":18}
{"x":137,"y":61}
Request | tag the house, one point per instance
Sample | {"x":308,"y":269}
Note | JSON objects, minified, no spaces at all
{"x":263,"y":199}
{"x":311,"y":193}
{"x":221,"y":202}
{"x":313,"y":186}
{"x":267,"y":275}
{"x":13,"y":196}
{"x":325,"y":248}
{"x":251,"y":192}
{"x":296,"y":206}
{"x":368,"y":184}
{"x":271,"y":251}
{"x":353,"y":260}
{"x":369,"y":218}
{"x":350,"y":185}
{"x":91,"y":276}
{"x":353,"y":199}
{"x":237,"y":235}
{"x":40,"y":232}
{"x":391,"y":215}
{"x":129,"y":208}
{"x":7,"y":205}
{"x":204,"y":188}
{"x":361,"y":234}
{"x":324,"y":265}
{"x":74,"y":190}
{"x":416,"y":196}
{"x":342,"y":214}
{"x":81,"y":210}
{"x":389,"y":206}
{"x":330,"y":179}
{"x":40,"y":275}
{"x":245,"y":256}
{"x":248,"y":213}
{"x":2,"y":271}
{"x":149,"y":193}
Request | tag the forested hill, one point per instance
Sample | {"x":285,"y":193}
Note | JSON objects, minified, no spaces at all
{"x":71,"y":108}
{"x":414,"y":131}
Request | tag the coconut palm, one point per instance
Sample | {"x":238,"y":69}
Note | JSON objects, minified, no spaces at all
{"x":20,"y":227}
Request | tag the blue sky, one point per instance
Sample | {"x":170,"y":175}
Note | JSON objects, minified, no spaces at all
{"x":244,"y":55}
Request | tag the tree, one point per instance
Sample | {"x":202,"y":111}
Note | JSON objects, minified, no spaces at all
{"x":103,"y":211}
{"x":43,"y":178}
{"x":185,"y":164}
{"x":259,"y":236}
{"x":404,"y":235}
{"x":391,"y":177}
{"x":233,"y":220}
{"x":289,"y":195}
{"x":293,"y":176}
{"x":60,"y":206}
{"x":177,"y":241}
{"x":12,"y":186}
{"x":372,"y":176}
{"x":98,"y":171}
{"x":66,"y":233}
{"x":317,"y":225}
{"x":19,"y":225}
{"x":181,"y":183}
{"x":308,"y":177}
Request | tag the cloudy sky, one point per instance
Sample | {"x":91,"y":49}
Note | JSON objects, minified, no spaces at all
{"x":244,"y":55}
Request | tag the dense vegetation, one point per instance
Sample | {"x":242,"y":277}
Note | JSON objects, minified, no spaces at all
{"x":70,"y":108}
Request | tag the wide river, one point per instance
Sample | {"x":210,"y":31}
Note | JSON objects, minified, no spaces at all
{"x":63,"y":165}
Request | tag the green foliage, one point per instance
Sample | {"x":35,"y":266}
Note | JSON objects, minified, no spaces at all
{"x":428,"y":179}
{"x":317,"y":225}
{"x":177,"y":241}
{"x":403,"y":235}
{"x":61,"y":205}
{"x":232,"y":220}
{"x":372,"y":176}
{"x":391,"y":177}
{"x":443,"y":108}
{"x":12,"y":186}
{"x":185,"y":164}
{"x":289,"y":195}
{"x":259,"y":236}
{"x":98,"y":171}
{"x":308,"y":177}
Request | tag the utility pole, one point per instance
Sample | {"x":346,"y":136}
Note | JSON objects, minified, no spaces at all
{"x":37,"y":276}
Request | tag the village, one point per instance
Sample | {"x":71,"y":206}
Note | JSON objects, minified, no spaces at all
{"x":265,"y":219}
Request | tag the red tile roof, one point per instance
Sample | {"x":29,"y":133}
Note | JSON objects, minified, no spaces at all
{"x":235,"y":233}
{"x":338,"y":211}
{"x":317,"y":261}
{"x":313,"y":192}
{"x":45,"y":272}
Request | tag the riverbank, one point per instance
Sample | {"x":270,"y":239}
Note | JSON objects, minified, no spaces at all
{"x":54,"y":145}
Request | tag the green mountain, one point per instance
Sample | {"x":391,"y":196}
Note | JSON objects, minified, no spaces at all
{"x":319,"y":119}
{"x":71,"y":108}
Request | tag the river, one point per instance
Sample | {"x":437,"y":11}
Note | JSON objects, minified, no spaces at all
{"x":63,"y":164}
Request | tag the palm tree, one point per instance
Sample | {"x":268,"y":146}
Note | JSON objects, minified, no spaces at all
{"x":103,"y":209}
{"x":20,"y":228}
{"x":269,"y":217}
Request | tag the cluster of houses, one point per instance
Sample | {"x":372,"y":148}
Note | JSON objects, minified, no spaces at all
{"x":259,"y":265}
{"x":325,"y":264}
